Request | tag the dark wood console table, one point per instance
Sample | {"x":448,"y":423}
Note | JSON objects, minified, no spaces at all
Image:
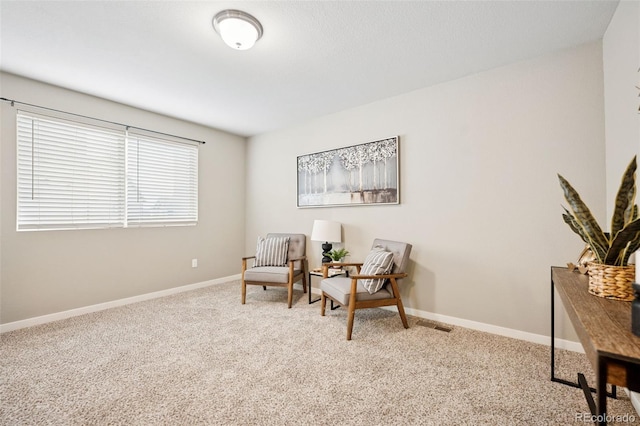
{"x":604,"y":329}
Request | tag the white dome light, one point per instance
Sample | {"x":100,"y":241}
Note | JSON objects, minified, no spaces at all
{"x":238,"y":29}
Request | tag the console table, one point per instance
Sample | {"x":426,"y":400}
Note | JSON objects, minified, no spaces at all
{"x":604,"y":329}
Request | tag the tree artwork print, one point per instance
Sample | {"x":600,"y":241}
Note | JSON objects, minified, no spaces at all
{"x":356,"y":175}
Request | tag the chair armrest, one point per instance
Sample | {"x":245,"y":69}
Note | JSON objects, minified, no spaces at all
{"x":244,"y":263}
{"x":292,"y":261}
{"x":392,"y":279}
{"x":367,"y":277}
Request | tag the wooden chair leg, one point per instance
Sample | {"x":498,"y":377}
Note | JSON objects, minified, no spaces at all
{"x":290,"y":294}
{"x":352,"y":307}
{"x":403,"y":317}
{"x":352,"y":313}
{"x":244,"y":292}
{"x":323,"y":303}
{"x":396,"y":293}
{"x":304,"y":282}
{"x":264,"y":287}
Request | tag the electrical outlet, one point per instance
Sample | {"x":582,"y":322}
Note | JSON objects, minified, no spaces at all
{"x":194,"y":263}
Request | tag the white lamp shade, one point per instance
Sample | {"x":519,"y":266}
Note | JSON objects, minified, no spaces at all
{"x":326,"y":230}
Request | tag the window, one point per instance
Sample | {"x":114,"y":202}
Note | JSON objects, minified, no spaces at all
{"x":162,"y":182}
{"x":76,"y":176}
{"x":69,"y":175}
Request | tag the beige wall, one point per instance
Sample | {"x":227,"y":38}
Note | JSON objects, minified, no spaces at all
{"x":480,"y":197}
{"x":52,"y":271}
{"x":621,"y":58}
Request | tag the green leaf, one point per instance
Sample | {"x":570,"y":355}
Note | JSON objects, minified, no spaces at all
{"x":599,"y":251}
{"x":634,"y":213}
{"x":624,"y":205}
{"x":631,"y":248}
{"x":615,"y":254}
{"x":569,"y":220}
{"x":583,"y":218}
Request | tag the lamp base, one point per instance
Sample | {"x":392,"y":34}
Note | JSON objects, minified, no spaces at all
{"x":326,"y":248}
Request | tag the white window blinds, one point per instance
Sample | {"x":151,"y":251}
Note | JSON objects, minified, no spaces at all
{"x":162,"y":182}
{"x":69,"y":175}
{"x":75,"y":175}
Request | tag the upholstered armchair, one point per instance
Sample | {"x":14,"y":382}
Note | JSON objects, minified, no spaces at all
{"x":280,"y":261}
{"x":375,"y":283}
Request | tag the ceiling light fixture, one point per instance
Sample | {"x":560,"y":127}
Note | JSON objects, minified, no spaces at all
{"x":238,"y":29}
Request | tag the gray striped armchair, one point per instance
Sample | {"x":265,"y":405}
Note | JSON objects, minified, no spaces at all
{"x":375,"y":283}
{"x":277,"y":264}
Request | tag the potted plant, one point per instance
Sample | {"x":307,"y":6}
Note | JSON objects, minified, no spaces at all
{"x":610,"y":275}
{"x":337,"y":255}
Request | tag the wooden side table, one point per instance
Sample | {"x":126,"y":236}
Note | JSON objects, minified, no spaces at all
{"x":332,"y":274}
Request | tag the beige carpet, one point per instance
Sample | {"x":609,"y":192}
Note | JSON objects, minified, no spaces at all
{"x":203,"y":358}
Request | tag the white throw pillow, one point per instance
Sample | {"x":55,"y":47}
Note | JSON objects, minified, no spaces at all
{"x":272,"y":251}
{"x":378,"y":262}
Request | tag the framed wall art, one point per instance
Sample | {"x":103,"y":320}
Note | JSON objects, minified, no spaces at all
{"x":356,"y":175}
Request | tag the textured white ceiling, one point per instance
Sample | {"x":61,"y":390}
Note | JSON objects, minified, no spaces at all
{"x":315,"y":58}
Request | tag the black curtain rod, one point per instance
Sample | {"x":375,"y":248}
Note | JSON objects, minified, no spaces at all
{"x":13,"y":102}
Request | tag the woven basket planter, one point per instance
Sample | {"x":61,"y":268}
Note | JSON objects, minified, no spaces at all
{"x":611,"y":282}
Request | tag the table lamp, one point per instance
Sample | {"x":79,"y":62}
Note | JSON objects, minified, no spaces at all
{"x":329,"y":232}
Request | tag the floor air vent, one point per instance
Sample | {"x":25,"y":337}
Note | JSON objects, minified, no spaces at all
{"x":435,"y":326}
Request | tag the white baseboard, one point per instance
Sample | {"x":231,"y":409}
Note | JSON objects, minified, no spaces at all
{"x":493,"y":329}
{"x":29,"y":322}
